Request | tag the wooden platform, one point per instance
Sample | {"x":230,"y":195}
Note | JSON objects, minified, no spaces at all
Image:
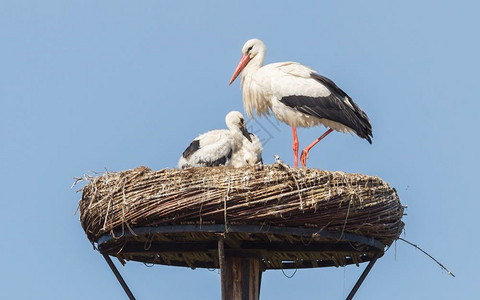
{"x":243,"y":221}
{"x":275,"y":247}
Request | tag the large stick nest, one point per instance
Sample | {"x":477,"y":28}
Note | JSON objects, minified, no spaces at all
{"x":275,"y":195}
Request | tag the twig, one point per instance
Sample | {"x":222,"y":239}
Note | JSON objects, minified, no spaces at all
{"x":287,"y":168}
{"x":291,"y":276}
{"x":225,"y":202}
{"x":345,"y":223}
{"x":424,"y":252}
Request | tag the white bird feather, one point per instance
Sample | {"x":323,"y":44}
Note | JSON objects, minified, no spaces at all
{"x":298,"y":96}
{"x":249,"y":154}
{"x":221,"y":147}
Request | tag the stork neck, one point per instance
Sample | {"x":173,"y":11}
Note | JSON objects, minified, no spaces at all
{"x":232,"y":128}
{"x":236,"y":133}
{"x":254,"y":64}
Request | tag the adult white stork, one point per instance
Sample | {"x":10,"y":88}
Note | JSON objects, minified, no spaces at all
{"x":297,"y":96}
{"x":218,"y":147}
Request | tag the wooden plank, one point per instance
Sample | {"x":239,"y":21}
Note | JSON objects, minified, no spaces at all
{"x":256,"y":273}
{"x":243,"y":278}
{"x":221,"y":262}
{"x":233,"y":247}
{"x":235,"y":264}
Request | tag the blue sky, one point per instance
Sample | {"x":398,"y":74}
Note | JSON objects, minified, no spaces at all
{"x":89,"y":85}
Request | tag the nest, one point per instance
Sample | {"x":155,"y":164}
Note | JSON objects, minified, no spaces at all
{"x":272,"y":195}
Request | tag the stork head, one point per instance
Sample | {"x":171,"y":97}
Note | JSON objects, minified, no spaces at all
{"x":236,"y":122}
{"x":252,"y":49}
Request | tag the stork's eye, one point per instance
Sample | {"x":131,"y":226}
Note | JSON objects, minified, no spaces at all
{"x":249,"y":49}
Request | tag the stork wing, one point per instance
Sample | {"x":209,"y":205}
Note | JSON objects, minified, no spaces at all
{"x":210,"y":149}
{"x":302,"y":89}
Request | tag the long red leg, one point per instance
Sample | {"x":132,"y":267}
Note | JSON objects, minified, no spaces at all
{"x":295,"y":146}
{"x":303,"y":158}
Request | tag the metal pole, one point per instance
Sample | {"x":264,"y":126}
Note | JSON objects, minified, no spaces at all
{"x":362,"y":277}
{"x":119,"y":277}
{"x":221,"y":262}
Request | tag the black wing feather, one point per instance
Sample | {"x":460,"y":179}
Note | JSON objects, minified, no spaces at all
{"x":219,"y":162}
{"x":332,"y":107}
{"x":192,"y":148}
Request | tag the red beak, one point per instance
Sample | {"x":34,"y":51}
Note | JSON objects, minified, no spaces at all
{"x":243,"y":62}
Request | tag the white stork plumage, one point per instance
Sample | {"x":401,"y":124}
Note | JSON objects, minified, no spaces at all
{"x":249,"y":154}
{"x":297,"y":96}
{"x":220,"y":147}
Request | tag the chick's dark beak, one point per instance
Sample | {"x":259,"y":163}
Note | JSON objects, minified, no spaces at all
{"x":246,"y":133}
